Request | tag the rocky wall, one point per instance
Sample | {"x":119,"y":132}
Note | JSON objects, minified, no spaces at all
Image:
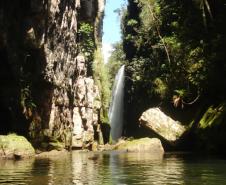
{"x":54,"y":95}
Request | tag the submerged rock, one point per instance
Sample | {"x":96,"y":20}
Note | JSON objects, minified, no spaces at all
{"x":151,"y":145}
{"x":15,"y":147}
{"x":53,"y":154}
{"x":169,"y":129}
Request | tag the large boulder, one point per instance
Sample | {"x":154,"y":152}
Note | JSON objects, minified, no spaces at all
{"x":15,"y":147}
{"x":150,"y":145}
{"x":164,"y":126}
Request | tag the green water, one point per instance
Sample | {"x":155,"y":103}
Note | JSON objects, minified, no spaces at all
{"x":115,"y":169}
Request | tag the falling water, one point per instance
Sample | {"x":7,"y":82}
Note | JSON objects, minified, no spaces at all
{"x":116,"y":108}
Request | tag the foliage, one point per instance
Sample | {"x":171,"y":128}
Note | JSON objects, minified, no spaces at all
{"x":181,"y":92}
{"x":140,"y":74}
{"x":132,"y":22}
{"x":86,"y":38}
{"x":160,"y":87}
{"x":173,"y":47}
{"x":101,"y":78}
{"x":116,"y":60}
{"x":213,"y":116}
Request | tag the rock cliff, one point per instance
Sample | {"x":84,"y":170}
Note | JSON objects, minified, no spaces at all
{"x":47,"y":89}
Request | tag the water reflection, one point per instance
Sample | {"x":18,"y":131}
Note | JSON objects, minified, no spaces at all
{"x":15,"y":172}
{"x":113,"y":168}
{"x":85,"y":167}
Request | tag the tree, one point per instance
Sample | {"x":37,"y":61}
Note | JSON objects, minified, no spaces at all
{"x":180,"y":42}
{"x":116,"y":60}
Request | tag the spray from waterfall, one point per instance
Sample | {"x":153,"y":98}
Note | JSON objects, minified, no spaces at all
{"x":117,"y":104}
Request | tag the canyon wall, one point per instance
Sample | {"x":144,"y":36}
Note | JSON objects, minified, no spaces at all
{"x":47,"y":89}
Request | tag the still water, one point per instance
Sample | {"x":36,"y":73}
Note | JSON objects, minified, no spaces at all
{"x":114,"y":169}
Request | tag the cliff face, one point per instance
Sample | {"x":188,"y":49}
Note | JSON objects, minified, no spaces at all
{"x":45,"y":90}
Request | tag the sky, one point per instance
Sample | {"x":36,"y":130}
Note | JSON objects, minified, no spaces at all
{"x":111,"y":27}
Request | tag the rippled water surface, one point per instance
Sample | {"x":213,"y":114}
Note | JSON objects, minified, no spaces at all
{"x":114,"y":169}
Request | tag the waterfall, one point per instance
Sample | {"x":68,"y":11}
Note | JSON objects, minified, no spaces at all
{"x":117,"y":105}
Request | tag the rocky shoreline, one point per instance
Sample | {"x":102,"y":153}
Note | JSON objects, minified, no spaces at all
{"x":15,"y":147}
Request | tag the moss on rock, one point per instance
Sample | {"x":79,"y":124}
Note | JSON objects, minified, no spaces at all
{"x":150,"y":145}
{"x":210,"y":133}
{"x":13,"y":146}
{"x":213,"y":116}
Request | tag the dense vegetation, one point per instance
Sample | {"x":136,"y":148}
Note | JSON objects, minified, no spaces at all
{"x":101,"y":78}
{"x":175,"y":57}
{"x":116,"y":60}
{"x":176,"y":47}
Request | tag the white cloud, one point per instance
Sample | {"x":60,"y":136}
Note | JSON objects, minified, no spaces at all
{"x":107,"y":50}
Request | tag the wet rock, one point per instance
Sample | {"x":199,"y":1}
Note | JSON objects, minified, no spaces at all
{"x":158,"y":122}
{"x":15,"y":147}
{"x":53,"y":154}
{"x":150,"y":145}
{"x":53,"y":145}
